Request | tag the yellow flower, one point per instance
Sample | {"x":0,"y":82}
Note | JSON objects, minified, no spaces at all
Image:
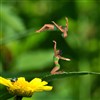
{"x":21,"y":87}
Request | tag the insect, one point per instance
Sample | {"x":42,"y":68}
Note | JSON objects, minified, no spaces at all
{"x":13,"y":79}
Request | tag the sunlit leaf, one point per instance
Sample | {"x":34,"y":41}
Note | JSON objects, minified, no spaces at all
{"x":9,"y":17}
{"x":34,"y":60}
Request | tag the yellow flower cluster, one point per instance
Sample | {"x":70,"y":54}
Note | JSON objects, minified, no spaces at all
{"x":21,"y":87}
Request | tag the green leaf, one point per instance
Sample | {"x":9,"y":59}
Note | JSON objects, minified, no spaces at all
{"x":67,"y":74}
{"x":10,"y":18}
{"x":14,"y":37}
{"x":34,"y":41}
{"x":46,"y":75}
{"x":34,"y":60}
{"x":4,"y":94}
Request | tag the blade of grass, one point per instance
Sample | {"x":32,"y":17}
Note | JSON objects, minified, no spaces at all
{"x":67,"y":74}
{"x":47,"y":76}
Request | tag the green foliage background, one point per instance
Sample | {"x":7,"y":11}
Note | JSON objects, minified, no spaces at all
{"x":24,"y":51}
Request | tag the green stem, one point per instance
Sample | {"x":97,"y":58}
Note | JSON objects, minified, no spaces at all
{"x":18,"y":98}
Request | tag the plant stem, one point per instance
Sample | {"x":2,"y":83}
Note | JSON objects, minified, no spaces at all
{"x":18,"y":98}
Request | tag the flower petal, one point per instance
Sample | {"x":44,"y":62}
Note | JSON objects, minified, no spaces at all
{"x":44,"y":83}
{"x":47,"y":88}
{"x":35,"y":82}
{"x":44,"y":88}
{"x":5,"y":82}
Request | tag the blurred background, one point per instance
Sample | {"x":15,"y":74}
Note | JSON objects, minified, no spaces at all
{"x":24,"y":50}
